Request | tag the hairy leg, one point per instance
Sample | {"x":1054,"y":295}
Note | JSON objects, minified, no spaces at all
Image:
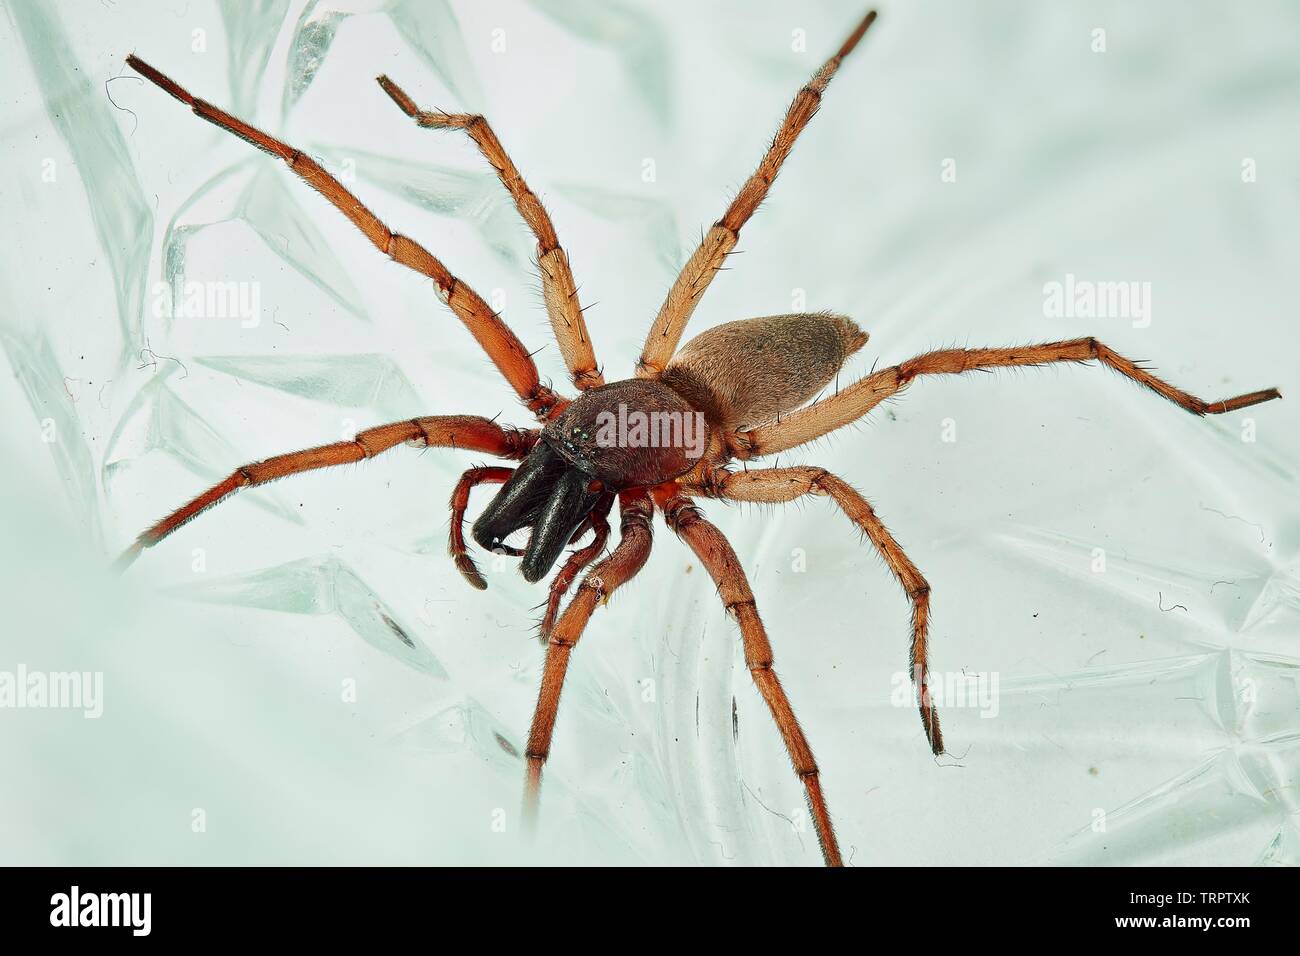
{"x":574,"y":565}
{"x":501,"y":345}
{"x":666,"y":333}
{"x":559,"y":291}
{"x":778,"y":485}
{"x":469,"y":432}
{"x":718,"y":558}
{"x":486,"y":475}
{"x":851,"y":403}
{"x":600,"y":582}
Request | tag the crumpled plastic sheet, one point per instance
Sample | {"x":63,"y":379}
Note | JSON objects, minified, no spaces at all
{"x":301,"y":676}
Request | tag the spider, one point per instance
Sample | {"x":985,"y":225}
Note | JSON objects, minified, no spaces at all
{"x":747,"y":385}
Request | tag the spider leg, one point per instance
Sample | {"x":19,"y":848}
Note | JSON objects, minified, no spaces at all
{"x":573,"y":566}
{"x":779,"y":485}
{"x":623,"y":563}
{"x":501,"y":344}
{"x":851,"y":403}
{"x":666,"y":332}
{"x":488,"y":475}
{"x":469,"y":432}
{"x":559,"y":291}
{"x":719,"y":559}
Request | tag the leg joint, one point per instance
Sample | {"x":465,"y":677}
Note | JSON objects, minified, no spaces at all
{"x":681,"y":513}
{"x":518,"y":442}
{"x":818,"y":484}
{"x":446,"y":289}
{"x":540,"y":401}
{"x":586,"y":378}
{"x":714,"y":481}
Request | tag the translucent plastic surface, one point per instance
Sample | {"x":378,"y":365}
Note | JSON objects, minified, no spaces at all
{"x":300,"y":675}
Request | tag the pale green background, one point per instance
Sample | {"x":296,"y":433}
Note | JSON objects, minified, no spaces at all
{"x":223,"y":687}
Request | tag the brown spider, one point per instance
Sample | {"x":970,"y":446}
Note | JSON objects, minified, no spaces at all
{"x":746,"y":384}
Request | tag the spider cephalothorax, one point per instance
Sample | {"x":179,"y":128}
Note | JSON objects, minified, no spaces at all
{"x":736,"y":392}
{"x":629,"y":434}
{"x":635,"y":433}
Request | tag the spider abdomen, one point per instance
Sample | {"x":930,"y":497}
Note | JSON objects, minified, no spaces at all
{"x":749,"y":372}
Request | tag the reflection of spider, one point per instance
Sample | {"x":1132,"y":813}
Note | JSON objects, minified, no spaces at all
{"x":735,"y":392}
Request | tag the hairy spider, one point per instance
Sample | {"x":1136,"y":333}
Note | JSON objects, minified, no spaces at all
{"x":659,"y":440}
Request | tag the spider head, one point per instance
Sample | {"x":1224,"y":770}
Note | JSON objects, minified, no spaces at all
{"x":630,"y":434}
